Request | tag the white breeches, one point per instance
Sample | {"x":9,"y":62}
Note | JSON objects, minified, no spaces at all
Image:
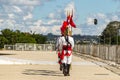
{"x":67,"y":59}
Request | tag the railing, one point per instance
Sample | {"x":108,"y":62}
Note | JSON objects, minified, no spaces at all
{"x":106,"y":52}
{"x":30,"y":47}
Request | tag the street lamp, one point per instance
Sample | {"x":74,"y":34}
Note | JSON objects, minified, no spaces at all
{"x":118,"y":33}
{"x":104,"y":39}
{"x":95,"y":23}
{"x":110,"y":41}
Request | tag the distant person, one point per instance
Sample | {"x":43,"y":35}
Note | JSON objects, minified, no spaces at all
{"x":59,"y":50}
{"x":67,"y":44}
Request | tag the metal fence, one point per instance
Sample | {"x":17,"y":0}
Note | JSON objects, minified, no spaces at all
{"x":106,"y":52}
{"x":30,"y":47}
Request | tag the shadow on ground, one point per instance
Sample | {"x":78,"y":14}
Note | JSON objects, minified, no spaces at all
{"x":42,"y":72}
{"x":2,"y":54}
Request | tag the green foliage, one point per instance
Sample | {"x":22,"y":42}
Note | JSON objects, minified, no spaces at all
{"x":3,"y":41}
{"x":40,"y":39}
{"x":7,"y":33}
{"x":110,"y":33}
{"x":11,"y":37}
{"x":26,"y":39}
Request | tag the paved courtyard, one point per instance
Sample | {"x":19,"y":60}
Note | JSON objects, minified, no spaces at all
{"x":42,"y":65}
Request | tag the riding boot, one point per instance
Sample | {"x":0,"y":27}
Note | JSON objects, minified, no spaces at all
{"x":61,"y":67}
{"x":64,"y":69}
{"x":68,"y":69}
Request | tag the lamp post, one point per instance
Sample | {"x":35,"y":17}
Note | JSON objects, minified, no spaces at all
{"x":109,"y":38}
{"x":104,"y":39}
{"x":117,"y":36}
{"x":118,"y":33}
{"x":95,"y":23}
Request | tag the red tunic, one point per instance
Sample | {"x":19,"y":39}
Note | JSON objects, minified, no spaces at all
{"x":66,"y":51}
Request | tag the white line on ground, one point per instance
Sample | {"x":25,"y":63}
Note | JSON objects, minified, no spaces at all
{"x":7,"y":60}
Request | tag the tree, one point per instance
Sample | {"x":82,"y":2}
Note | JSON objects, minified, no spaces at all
{"x":110,"y":33}
{"x":3,"y":41}
{"x":40,"y":39}
{"x":7,"y":33}
{"x":13,"y":37}
{"x":26,"y":39}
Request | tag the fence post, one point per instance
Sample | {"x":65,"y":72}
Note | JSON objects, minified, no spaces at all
{"x":116,"y":61}
{"x":99,"y":51}
{"x":108,"y":52}
{"x":91,"y":49}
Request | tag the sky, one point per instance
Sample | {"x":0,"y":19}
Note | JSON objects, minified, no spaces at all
{"x":47,"y":16}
